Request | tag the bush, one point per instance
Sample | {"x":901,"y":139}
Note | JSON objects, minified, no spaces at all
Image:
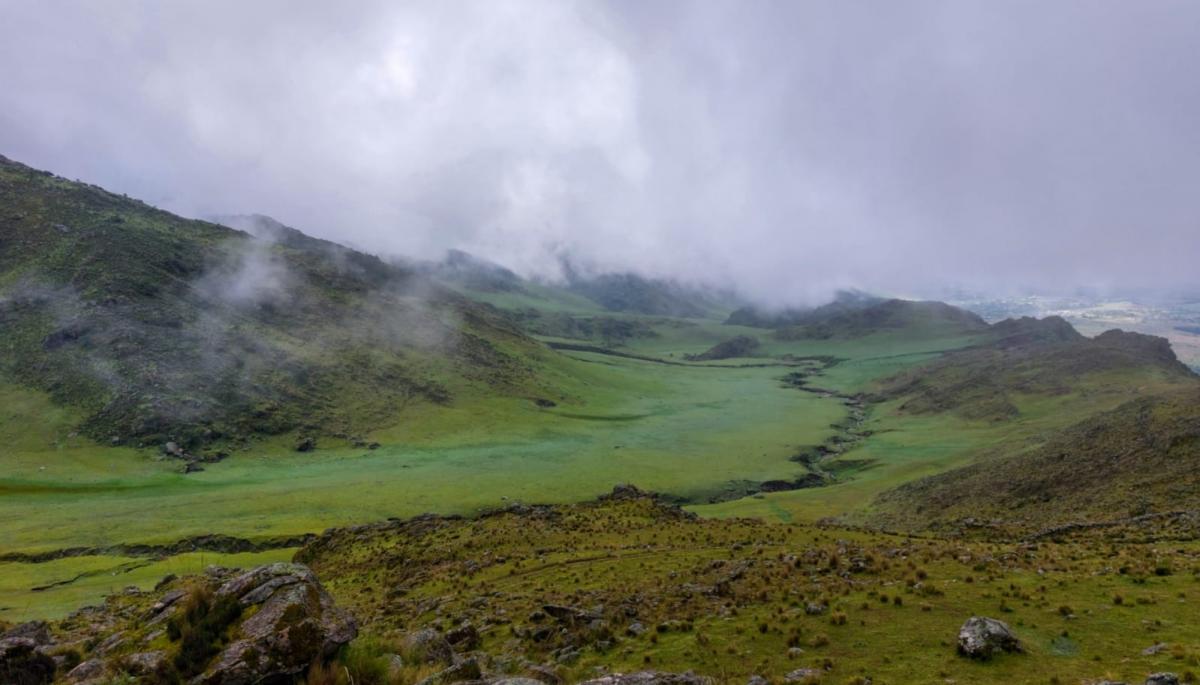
{"x":201,"y":629}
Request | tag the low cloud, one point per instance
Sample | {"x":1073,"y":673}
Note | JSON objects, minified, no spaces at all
{"x":788,"y":148}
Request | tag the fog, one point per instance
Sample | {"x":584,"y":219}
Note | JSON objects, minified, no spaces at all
{"x":786,"y":148}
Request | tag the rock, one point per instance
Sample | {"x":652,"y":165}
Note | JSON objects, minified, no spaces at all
{"x":145,"y":663}
{"x":570,"y":615}
{"x":467,"y":669}
{"x":1154,"y":649}
{"x":429,"y":647}
{"x":795,"y":652}
{"x":306,"y":443}
{"x":802,"y":675}
{"x":38,"y":631}
{"x":544,"y":674}
{"x":110,"y":644}
{"x":174,"y":450}
{"x":1162,"y":679}
{"x":635,"y":629}
{"x":567,"y":655}
{"x":511,"y":680}
{"x":649,"y":678}
{"x":463,"y":638}
{"x":295,"y":625}
{"x":814,"y":609}
{"x":86,"y":672}
{"x":983,"y":638}
{"x":22,"y":664}
{"x":757,"y":680}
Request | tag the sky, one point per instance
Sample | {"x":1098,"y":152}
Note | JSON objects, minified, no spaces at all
{"x":785,"y":148}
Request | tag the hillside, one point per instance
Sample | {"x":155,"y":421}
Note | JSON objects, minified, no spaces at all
{"x":915,"y":318}
{"x":1032,"y":357}
{"x":163,"y":329}
{"x":1139,"y":460}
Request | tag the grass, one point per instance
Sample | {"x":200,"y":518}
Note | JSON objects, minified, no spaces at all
{"x":87,"y":580}
{"x":894,"y":603}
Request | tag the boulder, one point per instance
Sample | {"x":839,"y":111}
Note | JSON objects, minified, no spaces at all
{"x":569,"y":615}
{"x":982,"y":638}
{"x":22,"y":664}
{"x":465,"y":670}
{"x":1162,"y":679}
{"x":649,"y":678}
{"x":428,"y":646}
{"x":86,"y":672}
{"x":463,"y":638}
{"x":803,"y":675}
{"x":38,"y":631}
{"x":145,"y":663}
{"x":295,"y":625}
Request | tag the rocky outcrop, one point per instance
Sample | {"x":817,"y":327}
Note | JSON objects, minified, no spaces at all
{"x":22,"y":664}
{"x":982,"y":638}
{"x":296,"y":623}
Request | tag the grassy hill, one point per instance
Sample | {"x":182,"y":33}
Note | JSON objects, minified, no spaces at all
{"x":1033,"y":357}
{"x":164,"y":329}
{"x":1141,"y":459}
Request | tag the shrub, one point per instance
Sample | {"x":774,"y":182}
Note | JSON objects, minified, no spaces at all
{"x":201,"y":629}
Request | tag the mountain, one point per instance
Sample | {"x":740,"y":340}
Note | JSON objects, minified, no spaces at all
{"x":933,"y":319}
{"x":1032,"y":357}
{"x":161,"y":328}
{"x":843,"y":301}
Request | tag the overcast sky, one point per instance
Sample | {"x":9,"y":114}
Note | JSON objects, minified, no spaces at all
{"x":788,"y":147}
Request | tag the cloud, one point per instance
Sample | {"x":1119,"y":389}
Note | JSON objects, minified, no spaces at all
{"x":789,"y":148}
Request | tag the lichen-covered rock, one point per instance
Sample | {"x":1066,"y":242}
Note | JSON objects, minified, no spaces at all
{"x":428,"y":646}
{"x":38,"y":631}
{"x":296,"y":624}
{"x":649,"y":678}
{"x":22,"y":664}
{"x":982,"y":638}
{"x":464,"y":671}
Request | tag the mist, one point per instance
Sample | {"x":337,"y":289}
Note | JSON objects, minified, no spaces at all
{"x":786,"y":149}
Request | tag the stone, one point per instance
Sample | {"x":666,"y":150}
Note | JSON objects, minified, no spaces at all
{"x":1154,"y":649}
{"x":1162,"y":679}
{"x":649,"y":678}
{"x":544,"y":674}
{"x":982,"y":638}
{"x":86,"y":672}
{"x":757,"y":680}
{"x":22,"y":664}
{"x":38,"y":631}
{"x":145,"y":663}
{"x":569,"y":615}
{"x":467,"y":669}
{"x":295,"y":625}
{"x":635,"y":629}
{"x":463,"y":638}
{"x":428,"y":646}
{"x":814,"y":609}
{"x":802,"y":675}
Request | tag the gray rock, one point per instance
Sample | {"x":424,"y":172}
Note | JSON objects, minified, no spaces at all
{"x":1162,"y":679}
{"x":1154,"y":649}
{"x":814,"y":609}
{"x":757,"y":680}
{"x":464,"y":638}
{"x":22,"y":664}
{"x":649,"y":678}
{"x":38,"y":631}
{"x":802,"y":675}
{"x":635,"y":629}
{"x":514,"y":680}
{"x":145,"y":663}
{"x":428,"y":646}
{"x":467,"y":669}
{"x":569,"y":615}
{"x":983,"y":638}
{"x":296,"y":624}
{"x":86,"y":672}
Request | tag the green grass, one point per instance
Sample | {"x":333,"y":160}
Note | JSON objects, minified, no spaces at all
{"x":627,"y":554}
{"x":87,"y":580}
